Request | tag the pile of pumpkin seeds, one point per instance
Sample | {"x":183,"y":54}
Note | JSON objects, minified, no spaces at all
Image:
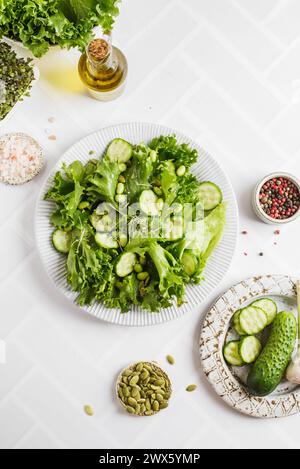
{"x":16,"y":76}
{"x":144,"y":389}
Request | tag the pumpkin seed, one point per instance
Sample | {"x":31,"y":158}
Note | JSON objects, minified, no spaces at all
{"x":134,"y":391}
{"x":137,"y":409}
{"x":143,"y":409}
{"x":159,"y":382}
{"x":155,"y":406}
{"x":88,"y":410}
{"x":164,"y":405}
{"x":159,"y":397}
{"x":147,"y":367}
{"x":130,"y":409}
{"x":132,"y":402}
{"x":148,"y":404}
{"x":139,"y":367}
{"x":149,"y":412}
{"x":134,"y":380}
{"x":145,"y":375}
{"x":170,"y":359}
{"x":152,"y":386}
{"x":127,"y":372}
{"x":126,"y":392}
{"x":191,"y":387}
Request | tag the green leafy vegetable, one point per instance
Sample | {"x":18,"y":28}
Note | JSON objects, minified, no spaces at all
{"x":171,"y":244}
{"x":168,"y":149}
{"x":39,"y":24}
{"x":139,"y":172}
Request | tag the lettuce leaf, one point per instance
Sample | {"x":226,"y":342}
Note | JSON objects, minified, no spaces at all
{"x":168,"y":149}
{"x":139,"y":173}
{"x":202,"y":236}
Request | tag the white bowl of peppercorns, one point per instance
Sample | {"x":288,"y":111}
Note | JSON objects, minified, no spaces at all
{"x":276,"y":198}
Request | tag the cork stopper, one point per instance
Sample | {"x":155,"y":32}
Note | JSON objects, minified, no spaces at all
{"x":98,"y":49}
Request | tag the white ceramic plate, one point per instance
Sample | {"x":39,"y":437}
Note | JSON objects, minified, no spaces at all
{"x":228,"y":381}
{"x":206,"y":169}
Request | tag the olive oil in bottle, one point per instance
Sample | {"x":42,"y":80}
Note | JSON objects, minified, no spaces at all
{"x":103,"y":70}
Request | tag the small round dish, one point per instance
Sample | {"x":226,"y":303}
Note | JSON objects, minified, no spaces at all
{"x":21,"y":158}
{"x":132,"y":367}
{"x":261,"y":214}
{"x":229,"y":381}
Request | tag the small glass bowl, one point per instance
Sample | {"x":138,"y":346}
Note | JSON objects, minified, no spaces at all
{"x":132,"y":365}
{"x":258,"y":210}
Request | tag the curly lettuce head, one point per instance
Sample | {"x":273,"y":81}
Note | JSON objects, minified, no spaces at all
{"x":38,"y":24}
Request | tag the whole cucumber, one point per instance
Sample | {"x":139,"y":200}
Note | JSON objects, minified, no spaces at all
{"x":269,"y":368}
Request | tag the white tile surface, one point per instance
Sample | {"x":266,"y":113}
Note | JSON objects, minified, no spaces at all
{"x":225,"y":72}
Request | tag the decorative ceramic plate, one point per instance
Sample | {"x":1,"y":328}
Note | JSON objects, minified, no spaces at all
{"x":205,"y":169}
{"x":228,"y":381}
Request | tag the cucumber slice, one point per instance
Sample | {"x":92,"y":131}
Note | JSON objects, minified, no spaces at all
{"x":231,"y":353}
{"x":125,"y":264}
{"x":253,"y":320}
{"x":250,"y":348}
{"x":119,"y":150}
{"x":148,"y":203}
{"x":189,"y":262}
{"x":236,"y":323}
{"x":268,"y":306}
{"x":210,"y":195}
{"x":101,"y":223}
{"x":62,"y":241}
{"x":106,"y":241}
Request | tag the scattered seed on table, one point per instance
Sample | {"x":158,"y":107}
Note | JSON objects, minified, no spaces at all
{"x":245,"y":254}
{"x":88,"y":410}
{"x":52,"y":137}
{"x":51,"y":120}
{"x":277,"y":232}
{"x":170,"y":359}
{"x":261,"y":254}
{"x":244,"y":232}
{"x":191,"y":387}
{"x":91,"y":152}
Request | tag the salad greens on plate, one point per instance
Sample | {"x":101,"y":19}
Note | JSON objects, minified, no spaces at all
{"x":39,"y":24}
{"x":136,"y":226}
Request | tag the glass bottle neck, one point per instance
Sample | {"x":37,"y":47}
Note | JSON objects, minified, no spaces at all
{"x":97,"y":63}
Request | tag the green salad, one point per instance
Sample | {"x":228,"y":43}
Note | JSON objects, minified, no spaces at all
{"x":39,"y":24}
{"x":136,"y":226}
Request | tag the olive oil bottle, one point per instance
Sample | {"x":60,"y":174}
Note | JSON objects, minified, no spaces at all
{"x":103,"y":69}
